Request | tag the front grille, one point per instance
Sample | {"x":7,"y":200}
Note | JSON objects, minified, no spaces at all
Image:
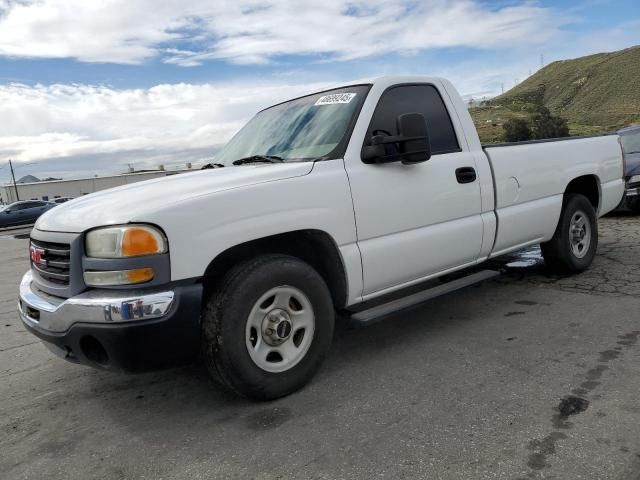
{"x":51,"y":261}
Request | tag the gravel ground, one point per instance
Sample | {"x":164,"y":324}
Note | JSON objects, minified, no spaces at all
{"x":525,"y":376}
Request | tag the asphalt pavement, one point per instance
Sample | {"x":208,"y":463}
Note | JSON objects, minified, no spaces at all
{"x":529,"y":375}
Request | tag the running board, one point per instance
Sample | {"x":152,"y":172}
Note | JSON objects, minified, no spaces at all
{"x":377,"y":312}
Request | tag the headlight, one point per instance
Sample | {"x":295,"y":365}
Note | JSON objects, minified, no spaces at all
{"x":125,"y":241}
{"x":634,"y":179}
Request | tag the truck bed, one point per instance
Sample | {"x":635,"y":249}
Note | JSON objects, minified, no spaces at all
{"x":531,"y":177}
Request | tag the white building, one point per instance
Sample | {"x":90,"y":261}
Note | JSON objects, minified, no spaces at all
{"x":48,"y":190}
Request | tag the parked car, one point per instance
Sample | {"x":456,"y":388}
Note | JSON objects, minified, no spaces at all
{"x":60,"y":200}
{"x":23,"y":213}
{"x":327,"y":202}
{"x":630,"y":140}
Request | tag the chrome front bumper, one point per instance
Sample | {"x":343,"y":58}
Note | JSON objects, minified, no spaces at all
{"x":632,"y":192}
{"x":56,"y":315}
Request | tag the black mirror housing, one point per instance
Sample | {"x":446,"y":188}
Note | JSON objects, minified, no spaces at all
{"x":374,"y":153}
{"x":415,"y":147}
{"x":411,"y":145}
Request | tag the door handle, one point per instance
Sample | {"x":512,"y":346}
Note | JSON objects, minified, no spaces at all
{"x":466,"y":175}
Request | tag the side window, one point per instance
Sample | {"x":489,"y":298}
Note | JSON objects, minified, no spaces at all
{"x":423,"y":99}
{"x":32,"y":204}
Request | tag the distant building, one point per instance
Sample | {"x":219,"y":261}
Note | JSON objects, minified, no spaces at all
{"x":34,"y":189}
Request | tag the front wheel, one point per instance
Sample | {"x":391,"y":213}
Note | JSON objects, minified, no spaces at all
{"x":575,"y":241}
{"x":267,"y":327}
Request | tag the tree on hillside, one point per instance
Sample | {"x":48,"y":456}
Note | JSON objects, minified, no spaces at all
{"x":546,"y":125}
{"x":516,"y":130}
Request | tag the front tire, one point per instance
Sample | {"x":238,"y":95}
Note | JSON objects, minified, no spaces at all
{"x":267,"y":327}
{"x":575,"y":241}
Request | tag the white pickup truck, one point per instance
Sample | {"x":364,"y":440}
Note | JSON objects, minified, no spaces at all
{"x":328,"y":202}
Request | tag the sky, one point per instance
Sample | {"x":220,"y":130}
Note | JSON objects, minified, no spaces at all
{"x":91,"y":87}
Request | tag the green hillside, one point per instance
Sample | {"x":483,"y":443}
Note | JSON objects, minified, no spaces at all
{"x":596,"y":94}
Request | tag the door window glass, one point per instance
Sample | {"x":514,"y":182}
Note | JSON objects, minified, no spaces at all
{"x":423,"y":99}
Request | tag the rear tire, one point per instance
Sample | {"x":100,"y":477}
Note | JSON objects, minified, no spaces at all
{"x":575,"y":241}
{"x":267,"y":327}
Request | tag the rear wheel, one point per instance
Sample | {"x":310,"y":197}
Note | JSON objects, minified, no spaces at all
{"x":267,"y":327}
{"x":575,"y":241}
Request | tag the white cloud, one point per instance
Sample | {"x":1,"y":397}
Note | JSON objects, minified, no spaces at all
{"x":254,"y":32}
{"x":78,"y":129}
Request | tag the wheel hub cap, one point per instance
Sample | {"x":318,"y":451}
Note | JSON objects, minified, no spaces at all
{"x":580,"y":234}
{"x":280,"y":328}
{"x":276,"y":327}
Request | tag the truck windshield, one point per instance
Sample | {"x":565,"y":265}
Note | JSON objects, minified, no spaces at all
{"x":310,"y":127}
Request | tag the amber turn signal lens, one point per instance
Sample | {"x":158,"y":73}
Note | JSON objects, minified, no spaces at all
{"x":139,"y":241}
{"x":140,"y":275}
{"x":118,"y":277}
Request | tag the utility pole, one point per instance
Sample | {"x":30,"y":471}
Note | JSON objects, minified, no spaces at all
{"x":14,"y":181}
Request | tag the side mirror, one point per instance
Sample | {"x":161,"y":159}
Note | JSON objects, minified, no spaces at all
{"x":415,"y":147}
{"x":411,"y":145}
{"x":376,"y":150}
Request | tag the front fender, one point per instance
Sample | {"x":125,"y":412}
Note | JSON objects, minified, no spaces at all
{"x":201,"y":229}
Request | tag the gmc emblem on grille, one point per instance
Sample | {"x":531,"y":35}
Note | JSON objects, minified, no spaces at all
{"x":37,"y":256}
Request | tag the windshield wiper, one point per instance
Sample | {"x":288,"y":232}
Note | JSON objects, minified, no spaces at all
{"x":259,"y":159}
{"x":212,"y":165}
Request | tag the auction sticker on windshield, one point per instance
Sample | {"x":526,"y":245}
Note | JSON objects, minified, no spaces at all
{"x":335,"y":98}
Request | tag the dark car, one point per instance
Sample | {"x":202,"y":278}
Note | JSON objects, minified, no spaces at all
{"x":630,"y":140}
{"x":23,"y":213}
{"x":60,"y":200}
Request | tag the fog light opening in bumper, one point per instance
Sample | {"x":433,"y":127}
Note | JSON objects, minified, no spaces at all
{"x":93,"y":350}
{"x":32,"y":313}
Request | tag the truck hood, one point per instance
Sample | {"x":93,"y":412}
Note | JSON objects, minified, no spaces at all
{"x":131,"y":202}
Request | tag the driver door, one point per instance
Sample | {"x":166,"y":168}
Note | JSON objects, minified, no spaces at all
{"x":14,"y":215}
{"x":415,"y":221}
{"x":33,"y":211}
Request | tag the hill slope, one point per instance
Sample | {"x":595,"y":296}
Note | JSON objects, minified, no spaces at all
{"x":596,"y":93}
